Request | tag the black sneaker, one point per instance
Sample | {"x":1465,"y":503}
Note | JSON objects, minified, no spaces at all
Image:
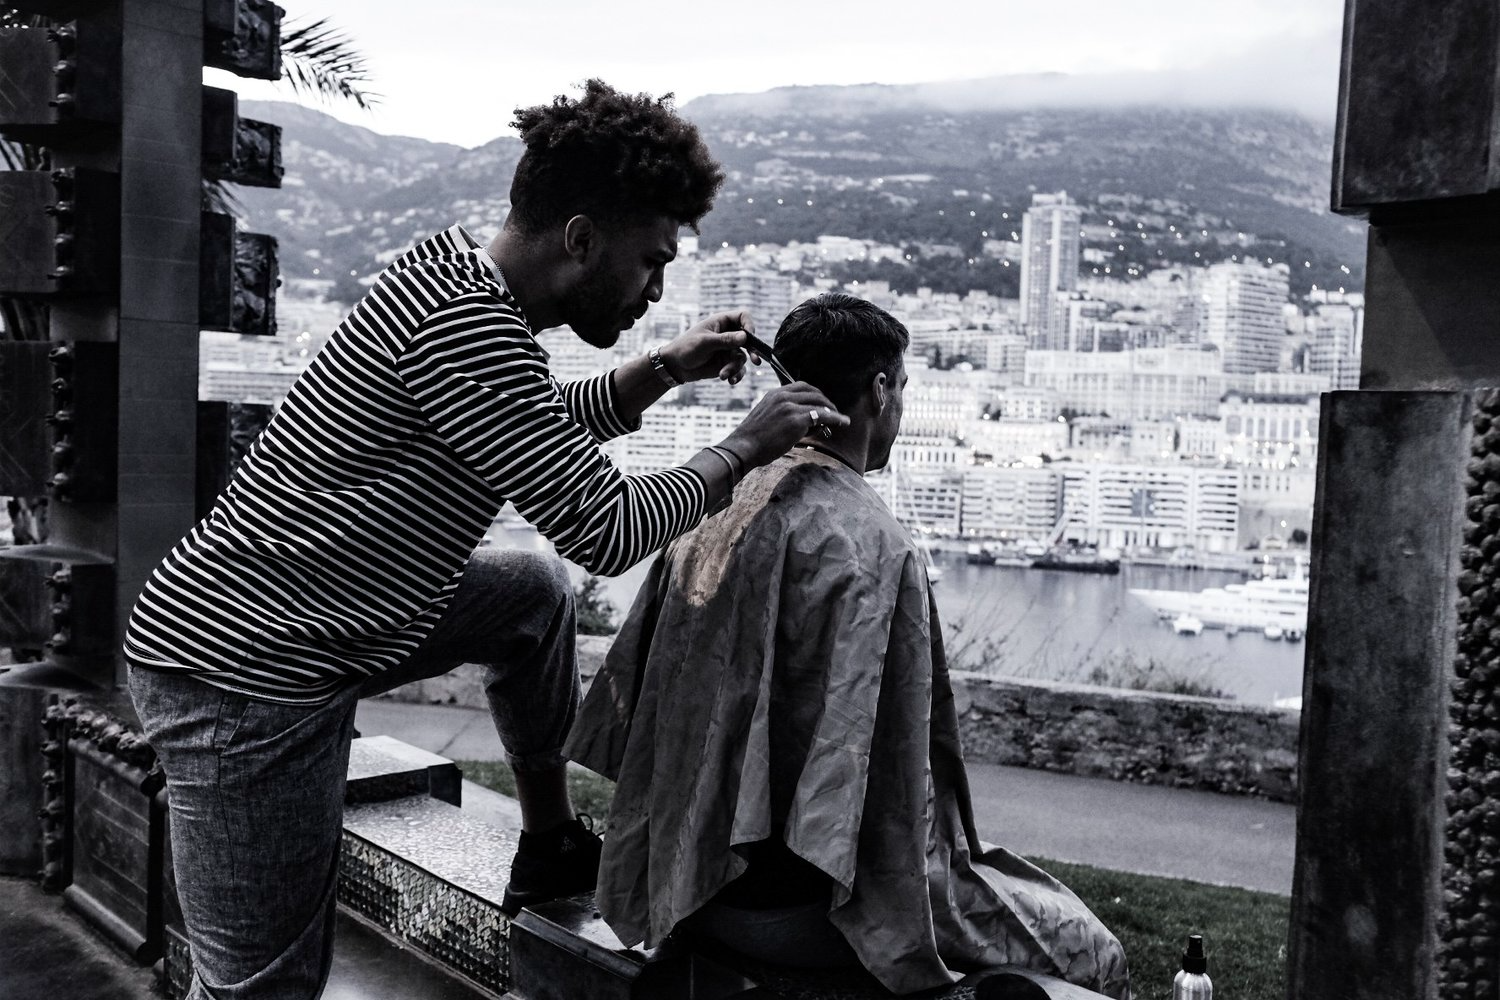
{"x":563,"y":861}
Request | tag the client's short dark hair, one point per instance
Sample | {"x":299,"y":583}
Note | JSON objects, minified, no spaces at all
{"x":839,"y":343}
{"x":615,"y":157}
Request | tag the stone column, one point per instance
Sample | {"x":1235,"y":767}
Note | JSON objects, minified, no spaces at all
{"x":1397,"y":889}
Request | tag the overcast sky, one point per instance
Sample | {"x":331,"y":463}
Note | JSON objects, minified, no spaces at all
{"x":452,"y":70}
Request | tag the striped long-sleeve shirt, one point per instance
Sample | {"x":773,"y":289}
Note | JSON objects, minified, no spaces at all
{"x":343,"y":534}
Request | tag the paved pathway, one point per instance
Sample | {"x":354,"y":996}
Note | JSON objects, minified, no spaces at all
{"x":1203,"y":836}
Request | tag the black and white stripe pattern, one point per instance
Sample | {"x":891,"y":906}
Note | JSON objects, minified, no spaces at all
{"x":341,"y":538}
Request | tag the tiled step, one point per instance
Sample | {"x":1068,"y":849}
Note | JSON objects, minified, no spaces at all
{"x":431,"y":876}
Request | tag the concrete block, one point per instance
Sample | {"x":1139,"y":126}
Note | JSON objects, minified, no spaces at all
{"x":382,"y":768}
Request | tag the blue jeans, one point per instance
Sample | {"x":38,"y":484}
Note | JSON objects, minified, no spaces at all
{"x":256,"y":788}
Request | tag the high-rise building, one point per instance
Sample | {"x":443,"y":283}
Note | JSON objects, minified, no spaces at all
{"x":728,"y":282}
{"x":940,"y":404}
{"x":1148,"y":384}
{"x":1243,"y":316}
{"x":1337,"y":336}
{"x":1123,"y":505}
{"x":1002,"y":352}
{"x":1000,"y":501}
{"x":1049,"y":266}
{"x":670,"y":435}
{"x":1271,"y":429}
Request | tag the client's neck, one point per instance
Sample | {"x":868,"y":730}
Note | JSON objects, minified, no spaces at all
{"x":850,"y":445}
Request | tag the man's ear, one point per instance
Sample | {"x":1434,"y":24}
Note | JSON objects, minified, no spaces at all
{"x":879,"y":392}
{"x":581,"y":238}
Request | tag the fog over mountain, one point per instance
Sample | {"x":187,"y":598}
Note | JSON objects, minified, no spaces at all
{"x":946,"y":165}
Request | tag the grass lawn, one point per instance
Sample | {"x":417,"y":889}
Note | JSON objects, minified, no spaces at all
{"x":1243,"y":931}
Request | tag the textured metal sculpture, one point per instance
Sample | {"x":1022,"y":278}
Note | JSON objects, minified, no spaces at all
{"x":1469,"y":961}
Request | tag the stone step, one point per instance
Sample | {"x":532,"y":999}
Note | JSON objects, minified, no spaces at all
{"x":382,"y":768}
{"x":432,"y":876}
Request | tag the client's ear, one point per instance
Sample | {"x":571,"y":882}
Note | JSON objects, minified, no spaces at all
{"x":879,"y":392}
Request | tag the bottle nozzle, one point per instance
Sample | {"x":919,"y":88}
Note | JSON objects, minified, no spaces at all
{"x":1194,"y":960}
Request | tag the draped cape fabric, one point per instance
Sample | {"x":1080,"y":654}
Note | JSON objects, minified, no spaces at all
{"x":781,"y":674}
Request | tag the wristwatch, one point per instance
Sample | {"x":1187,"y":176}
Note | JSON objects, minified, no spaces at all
{"x":660,"y":367}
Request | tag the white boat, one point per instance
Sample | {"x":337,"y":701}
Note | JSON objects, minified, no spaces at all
{"x":1187,"y":625}
{"x":1254,"y":604}
{"x":1273,"y":631}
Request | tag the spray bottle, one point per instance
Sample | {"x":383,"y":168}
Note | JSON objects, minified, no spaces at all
{"x":1192,"y":983}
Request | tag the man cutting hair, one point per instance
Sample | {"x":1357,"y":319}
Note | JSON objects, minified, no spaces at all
{"x":340,"y":561}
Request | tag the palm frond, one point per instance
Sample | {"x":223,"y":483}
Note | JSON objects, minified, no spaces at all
{"x":320,"y":59}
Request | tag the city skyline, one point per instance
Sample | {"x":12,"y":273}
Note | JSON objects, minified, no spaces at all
{"x":459,"y":81}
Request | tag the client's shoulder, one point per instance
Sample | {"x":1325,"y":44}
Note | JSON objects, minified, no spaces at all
{"x":818,"y":493}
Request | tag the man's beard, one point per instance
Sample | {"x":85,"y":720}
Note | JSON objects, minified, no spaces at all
{"x":595,"y":315}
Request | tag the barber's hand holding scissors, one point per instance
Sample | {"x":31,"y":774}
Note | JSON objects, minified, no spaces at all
{"x":713,"y":347}
{"x":719,"y":346}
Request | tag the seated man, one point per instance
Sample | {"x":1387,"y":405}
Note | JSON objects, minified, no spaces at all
{"x":777,"y":714}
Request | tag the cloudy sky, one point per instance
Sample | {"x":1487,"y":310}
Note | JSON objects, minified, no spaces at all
{"x":452,"y":70}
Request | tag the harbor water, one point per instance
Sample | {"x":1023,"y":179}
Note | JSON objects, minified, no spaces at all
{"x":1062,"y":626}
{"x":1053,"y":625}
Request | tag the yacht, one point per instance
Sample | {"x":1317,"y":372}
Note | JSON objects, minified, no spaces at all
{"x":1254,"y":604}
{"x":1186,"y":624}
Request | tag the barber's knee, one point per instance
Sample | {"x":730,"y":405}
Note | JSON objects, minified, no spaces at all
{"x":546,"y":576}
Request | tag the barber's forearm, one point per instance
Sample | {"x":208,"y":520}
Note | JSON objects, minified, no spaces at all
{"x":637,"y":386}
{"x":717,"y":481}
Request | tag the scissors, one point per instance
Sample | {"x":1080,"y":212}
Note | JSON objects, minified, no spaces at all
{"x":762,"y":348}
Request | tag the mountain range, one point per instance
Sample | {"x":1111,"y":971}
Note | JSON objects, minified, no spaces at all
{"x":902,"y":165}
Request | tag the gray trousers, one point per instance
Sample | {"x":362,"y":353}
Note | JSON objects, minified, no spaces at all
{"x":256,"y":789}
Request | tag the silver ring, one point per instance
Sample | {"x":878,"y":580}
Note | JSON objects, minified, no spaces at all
{"x":815,"y":417}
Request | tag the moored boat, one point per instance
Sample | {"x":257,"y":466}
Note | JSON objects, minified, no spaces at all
{"x":1187,"y":625}
{"x":1084,"y":559}
{"x":1254,"y":604}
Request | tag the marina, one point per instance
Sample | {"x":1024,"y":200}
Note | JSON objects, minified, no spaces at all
{"x":1062,"y":626}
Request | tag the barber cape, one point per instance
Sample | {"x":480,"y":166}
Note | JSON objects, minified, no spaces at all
{"x":781,"y":674}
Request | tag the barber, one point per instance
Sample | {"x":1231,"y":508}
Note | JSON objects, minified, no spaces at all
{"x":341,"y":560}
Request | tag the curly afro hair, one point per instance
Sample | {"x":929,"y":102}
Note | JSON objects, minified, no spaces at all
{"x":617,"y":158}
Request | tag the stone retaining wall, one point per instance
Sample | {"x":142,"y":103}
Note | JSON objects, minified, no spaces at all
{"x":1158,"y":739}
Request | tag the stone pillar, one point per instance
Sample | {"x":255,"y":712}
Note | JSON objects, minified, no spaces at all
{"x":1397,"y":888}
{"x":98,"y":402}
{"x":1386,"y":529}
